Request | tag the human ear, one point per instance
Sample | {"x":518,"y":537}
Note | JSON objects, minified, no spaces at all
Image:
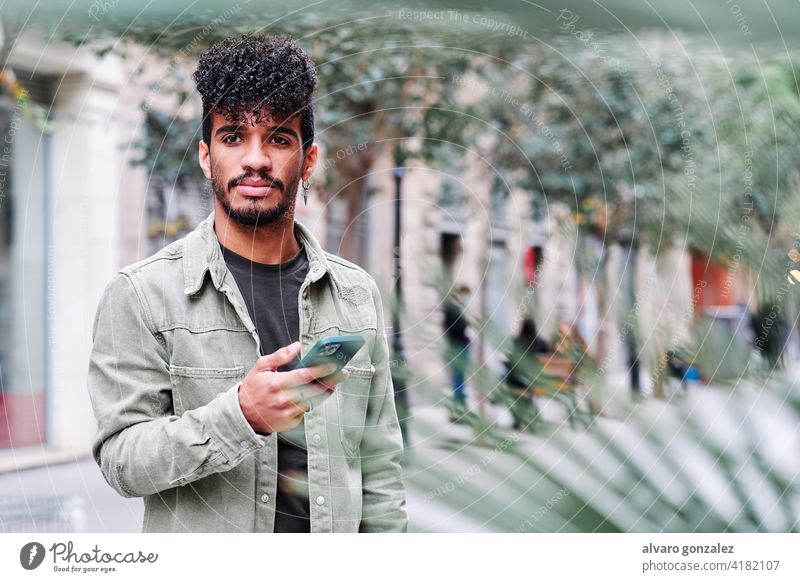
{"x":204,"y":157}
{"x":310,"y":161}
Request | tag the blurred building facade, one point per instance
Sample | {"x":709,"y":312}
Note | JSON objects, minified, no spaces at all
{"x":71,"y":214}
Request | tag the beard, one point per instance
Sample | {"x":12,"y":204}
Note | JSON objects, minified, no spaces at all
{"x":252,"y":214}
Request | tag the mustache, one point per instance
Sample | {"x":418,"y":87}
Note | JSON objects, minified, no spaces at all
{"x":261,"y":176}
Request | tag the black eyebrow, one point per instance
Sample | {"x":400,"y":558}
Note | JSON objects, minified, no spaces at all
{"x":227,"y":128}
{"x":273,"y":130}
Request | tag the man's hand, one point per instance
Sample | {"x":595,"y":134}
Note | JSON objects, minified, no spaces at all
{"x":275,"y":401}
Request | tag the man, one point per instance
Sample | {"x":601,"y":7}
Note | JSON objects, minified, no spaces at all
{"x":193,"y":413}
{"x":455,"y":328}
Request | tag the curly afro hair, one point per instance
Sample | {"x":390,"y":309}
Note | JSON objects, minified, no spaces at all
{"x":240,"y":76}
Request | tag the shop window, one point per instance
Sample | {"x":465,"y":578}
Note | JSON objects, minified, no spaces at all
{"x":24,"y":160}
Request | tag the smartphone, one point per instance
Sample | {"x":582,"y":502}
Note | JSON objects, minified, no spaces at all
{"x":337,"y":349}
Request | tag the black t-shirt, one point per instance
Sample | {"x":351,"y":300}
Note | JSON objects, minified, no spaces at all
{"x":271,"y":293}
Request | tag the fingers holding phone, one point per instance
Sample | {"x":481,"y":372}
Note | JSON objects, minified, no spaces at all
{"x":322,"y":368}
{"x":274,"y":401}
{"x":311,"y":393}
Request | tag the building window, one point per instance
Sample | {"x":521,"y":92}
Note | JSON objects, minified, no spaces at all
{"x":24,"y":152}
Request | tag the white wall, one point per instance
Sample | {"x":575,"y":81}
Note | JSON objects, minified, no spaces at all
{"x":90,"y":180}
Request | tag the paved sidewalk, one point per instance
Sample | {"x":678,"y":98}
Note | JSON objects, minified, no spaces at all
{"x":455,"y":482}
{"x":103,"y":510}
{"x":99,"y":507}
{"x":441,"y":451}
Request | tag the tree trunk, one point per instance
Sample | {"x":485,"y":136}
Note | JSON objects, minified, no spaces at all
{"x":352,"y":173}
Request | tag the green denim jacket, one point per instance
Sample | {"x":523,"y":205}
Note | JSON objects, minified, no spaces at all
{"x":172,"y":341}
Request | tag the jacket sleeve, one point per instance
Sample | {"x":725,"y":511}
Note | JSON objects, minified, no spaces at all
{"x":384,"y":498}
{"x":141,"y":446}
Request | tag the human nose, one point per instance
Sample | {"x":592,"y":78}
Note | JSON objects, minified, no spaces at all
{"x":256,"y":157}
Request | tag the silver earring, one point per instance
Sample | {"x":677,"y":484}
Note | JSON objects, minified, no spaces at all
{"x":306,"y":186}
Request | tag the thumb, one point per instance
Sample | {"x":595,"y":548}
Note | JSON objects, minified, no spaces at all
{"x":280,"y":357}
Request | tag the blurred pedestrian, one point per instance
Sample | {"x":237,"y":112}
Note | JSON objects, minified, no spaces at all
{"x":522,"y":368}
{"x":455,"y":329}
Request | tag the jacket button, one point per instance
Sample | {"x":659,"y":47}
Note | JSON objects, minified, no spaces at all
{"x":317,"y":439}
{"x":265,"y":498}
{"x":320,"y":500}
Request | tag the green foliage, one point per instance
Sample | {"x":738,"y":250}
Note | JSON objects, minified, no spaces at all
{"x":708,"y":462}
{"x":168,"y":147}
{"x":599,"y":139}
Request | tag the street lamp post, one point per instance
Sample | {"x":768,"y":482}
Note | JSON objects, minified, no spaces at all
{"x":398,"y":364}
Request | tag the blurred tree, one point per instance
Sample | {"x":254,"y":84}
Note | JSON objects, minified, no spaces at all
{"x":621,"y":138}
{"x":598,"y":133}
{"x":379,"y":86}
{"x":10,"y":28}
{"x":747,"y":211}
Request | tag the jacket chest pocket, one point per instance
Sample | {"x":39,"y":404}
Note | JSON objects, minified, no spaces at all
{"x":196,"y":387}
{"x":352,"y":398}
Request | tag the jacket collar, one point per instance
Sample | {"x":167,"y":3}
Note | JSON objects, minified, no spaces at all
{"x":202,"y":254}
